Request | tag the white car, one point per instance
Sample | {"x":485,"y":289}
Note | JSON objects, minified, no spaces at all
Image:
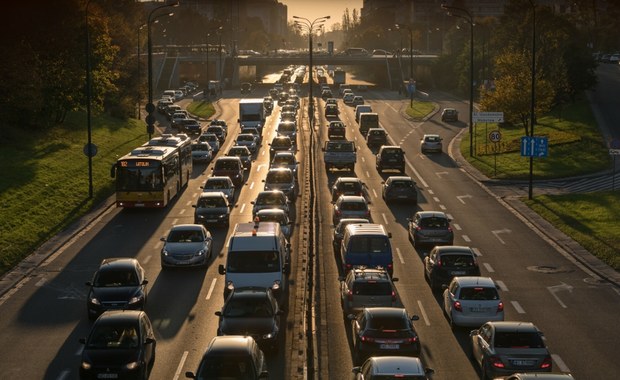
{"x":431,"y":143}
{"x":348,"y":98}
{"x":220,"y":183}
{"x":472,"y":301}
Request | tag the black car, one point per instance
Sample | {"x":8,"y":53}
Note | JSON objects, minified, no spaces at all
{"x":399,"y":188}
{"x":336,"y":130}
{"x":279,"y":144}
{"x":448,"y":261}
{"x":246,"y":88}
{"x":254,"y":312}
{"x":119,"y":283}
{"x":191,"y":127}
{"x":348,"y":186}
{"x":219,"y":131}
{"x":331,"y":110}
{"x":380,"y":331}
{"x":231,"y":357}
{"x":121,"y":345}
{"x":376,"y":137}
{"x":221,"y":123}
{"x":212,"y":208}
{"x":390,"y":157}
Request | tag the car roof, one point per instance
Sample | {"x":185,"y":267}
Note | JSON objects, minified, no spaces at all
{"x":366,"y":229}
{"x":230,"y":345}
{"x":475,"y":281}
{"x":187,"y":227}
{"x":285,"y":153}
{"x":118,"y":262}
{"x":266,"y":193}
{"x":212,"y":194}
{"x":119,"y":316}
{"x":271,"y":211}
{"x":348,"y":179}
{"x":250,"y":292}
{"x":352,"y":199}
{"x":513,"y":326}
{"x":453,"y":249}
{"x":396,"y":365}
{"x":431,"y":135}
{"x":219,"y":178}
{"x":383,"y":312}
{"x":390,"y":147}
{"x":362,"y":273}
{"x":542,"y":376}
{"x":353,"y":220}
{"x":432,"y":214}
{"x":400,"y":178}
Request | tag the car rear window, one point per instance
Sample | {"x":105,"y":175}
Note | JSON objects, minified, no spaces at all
{"x":461,"y":261}
{"x":353,"y":206}
{"x":388,"y":323}
{"x":372,"y":288}
{"x":518,"y":340}
{"x":369,"y":244}
{"x":479,"y":294}
{"x":434,"y":222}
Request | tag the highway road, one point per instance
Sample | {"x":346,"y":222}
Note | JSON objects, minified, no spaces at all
{"x":45,"y":314}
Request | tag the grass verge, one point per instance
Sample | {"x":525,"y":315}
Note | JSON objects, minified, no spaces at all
{"x":44,"y":186}
{"x":203,"y":109}
{"x":420,"y":109}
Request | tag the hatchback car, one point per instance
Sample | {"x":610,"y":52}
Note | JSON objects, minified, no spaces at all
{"x":231,"y":167}
{"x":503,"y":348}
{"x":254,"y":312}
{"x":350,"y":206}
{"x":282,"y":179}
{"x":119,"y":283}
{"x":212,"y":208}
{"x":186,"y":245}
{"x":120,"y":345}
{"x":339,"y":230}
{"x":217,"y":130}
{"x":348,"y":186}
{"x":390,"y":157}
{"x":376,"y":137}
{"x":472,"y":301}
{"x":285,"y":160}
{"x":445,"y":262}
{"x":280,"y":144}
{"x":212,"y":140}
{"x":347,"y":98}
{"x":243,"y":153}
{"x":277,"y":216}
{"x":357,"y":100}
{"x":201,"y":152}
{"x":392,"y":367}
{"x":331,"y":110}
{"x":231,"y":357}
{"x":270,"y":199}
{"x":248,"y":140}
{"x":288,"y":128}
{"x":221,"y":183}
{"x":449,"y":114}
{"x":367,"y":287}
{"x":221,"y":123}
{"x":380,"y":331}
{"x":399,"y":188}
{"x":336,"y":130}
{"x":431,"y":143}
{"x":431,"y":228}
{"x":327,"y":93}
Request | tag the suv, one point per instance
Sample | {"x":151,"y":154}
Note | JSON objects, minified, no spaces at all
{"x":365,"y":287}
{"x":449,"y":114}
{"x":232,"y":356}
{"x":448,"y":261}
{"x":282,"y":179}
{"x":231,"y":167}
{"x":390,"y":157}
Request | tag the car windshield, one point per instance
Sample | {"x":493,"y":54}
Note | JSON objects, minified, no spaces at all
{"x":226,"y":165}
{"x":350,"y":186}
{"x":505,"y":339}
{"x":216,"y":184}
{"x":278,"y":218}
{"x":113,"y":336}
{"x":209,"y":137}
{"x":211,"y":202}
{"x":402,"y":184}
{"x":244,"y":307}
{"x":434,"y":222}
{"x":253,"y":262}
{"x":479,"y":293}
{"x":393,"y":153}
{"x":388,"y":323}
{"x":184,"y":236}
{"x":353,"y":206}
{"x":281,"y":143}
{"x":200,"y":147}
{"x":237,"y":152}
{"x":279,"y":177}
{"x":226,"y":367}
{"x":117,"y":277}
{"x":269,"y":199}
{"x":286,"y":127}
{"x":245,"y":138}
{"x":341,"y":147}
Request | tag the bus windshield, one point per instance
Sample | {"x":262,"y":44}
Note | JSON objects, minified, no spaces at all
{"x":139,"y":179}
{"x":253,"y":262}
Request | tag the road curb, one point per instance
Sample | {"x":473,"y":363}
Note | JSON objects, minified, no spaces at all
{"x":558,"y":239}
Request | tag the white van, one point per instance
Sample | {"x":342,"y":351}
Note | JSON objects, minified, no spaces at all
{"x":368,"y":120}
{"x":360,"y":109}
{"x":258,"y":256}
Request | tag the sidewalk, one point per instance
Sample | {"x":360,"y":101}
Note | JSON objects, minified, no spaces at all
{"x":510,"y":197}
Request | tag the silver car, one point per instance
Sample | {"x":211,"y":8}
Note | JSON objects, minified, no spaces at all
{"x":366,"y":287}
{"x":186,"y":245}
{"x":211,"y":139}
{"x":282,"y":179}
{"x":431,"y":143}
{"x":278,"y":216}
{"x":285,"y":160}
{"x":201,"y":152}
{"x":220,"y":183}
{"x":472,"y":301}
{"x":243,"y":153}
{"x":270,"y":199}
{"x":351,"y":206}
{"x":503,"y":348}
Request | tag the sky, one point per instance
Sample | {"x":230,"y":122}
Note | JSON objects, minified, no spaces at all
{"x":312,"y":9}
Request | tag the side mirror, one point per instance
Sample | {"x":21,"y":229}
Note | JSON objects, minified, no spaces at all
{"x":82,"y":340}
{"x":444,"y":286}
{"x":394,"y":279}
{"x":473,"y":333}
{"x":415,"y":318}
{"x":190,"y":375}
{"x":218,"y":313}
{"x":145,"y":282}
{"x":194,"y":206}
{"x":163,"y":238}
{"x":389,"y":235}
{"x":149,"y":341}
{"x":88,"y":283}
{"x":221,"y":269}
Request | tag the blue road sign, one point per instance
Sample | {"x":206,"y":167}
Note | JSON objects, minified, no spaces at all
{"x":534,"y":146}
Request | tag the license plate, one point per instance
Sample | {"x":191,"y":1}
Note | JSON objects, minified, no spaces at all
{"x":392,"y":160}
{"x":402,"y":196}
{"x":458,"y":273}
{"x":475,"y":309}
{"x":211,"y":220}
{"x":523,"y":363}
{"x":389,"y":346}
{"x":139,"y":204}
{"x":107,"y":376}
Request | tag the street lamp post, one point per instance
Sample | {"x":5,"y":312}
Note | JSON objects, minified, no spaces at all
{"x":208,"y":90}
{"x":408,"y":27}
{"x":139,"y":69}
{"x":467,"y":17}
{"x":309,"y":26}
{"x":89,"y":146}
{"x":533,"y":97}
{"x":150,"y":107}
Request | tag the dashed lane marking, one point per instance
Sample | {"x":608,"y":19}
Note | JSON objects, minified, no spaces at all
{"x":517,"y":307}
{"x":488,"y":267}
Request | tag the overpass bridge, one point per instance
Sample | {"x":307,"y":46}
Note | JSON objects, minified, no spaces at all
{"x":172,"y":66}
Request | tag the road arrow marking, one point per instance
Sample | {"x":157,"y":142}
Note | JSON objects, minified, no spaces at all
{"x":461,"y":197}
{"x":557,"y":288}
{"x":497,"y":232}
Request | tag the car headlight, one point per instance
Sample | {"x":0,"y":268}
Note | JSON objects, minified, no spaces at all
{"x":132,"y":365}
{"x":276,"y":285}
{"x":95,"y":301}
{"x":200,"y":253}
{"x":164,"y":252}
{"x":86,"y":365}
{"x":200,"y":216}
{"x":134,"y":300}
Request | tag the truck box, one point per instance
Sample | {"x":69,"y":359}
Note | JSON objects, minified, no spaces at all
{"x":252,"y":113}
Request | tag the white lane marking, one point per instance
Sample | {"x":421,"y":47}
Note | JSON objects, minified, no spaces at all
{"x":456,"y":226}
{"x":477,"y":252}
{"x":242,"y":208}
{"x":400,"y":256}
{"x":181,"y":364}
{"x":450,"y":216}
{"x":439,"y":174}
{"x":175,"y":221}
{"x":442,"y":207}
{"x":41,"y":282}
{"x":64,"y":374}
{"x":252,"y":185}
{"x":189,"y":203}
{"x":367,"y":174}
{"x":436,"y":199}
{"x":461,"y":197}
{"x":560,"y":363}
{"x":415,"y":172}
{"x":501,"y":285}
{"x":211,"y":288}
{"x":431,"y":192}
{"x":147,"y":259}
{"x":517,"y":307}
{"x":466,"y":238}
{"x":384,"y":219}
{"x":374,"y":193}
{"x":182,"y":211}
{"x":363,"y":159}
{"x":557,"y":288}
{"x":423,"y":312}
{"x":157,"y":245}
{"x":497,"y":232}
{"x":488,"y":267}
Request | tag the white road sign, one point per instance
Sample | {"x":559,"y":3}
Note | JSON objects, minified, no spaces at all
{"x":488,"y":117}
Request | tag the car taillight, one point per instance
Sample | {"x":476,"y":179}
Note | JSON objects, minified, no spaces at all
{"x":457,"y":306}
{"x":338,"y":213}
{"x":500,"y":306}
{"x":546,"y":363}
{"x":412,"y":340}
{"x":367,"y":339}
{"x":350,"y":295}
{"x":349,"y":266}
{"x":496,"y":362}
{"x":393,"y":296}
{"x":418,"y":228}
{"x":438,"y":263}
{"x":449,"y":229}
{"x":367,"y":212}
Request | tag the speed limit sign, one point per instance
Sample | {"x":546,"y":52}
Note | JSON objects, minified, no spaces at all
{"x":495,"y":136}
